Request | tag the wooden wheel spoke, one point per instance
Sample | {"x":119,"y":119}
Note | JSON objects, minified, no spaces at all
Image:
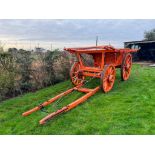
{"x":110,"y":70}
{"x":75,"y":79}
{"x":127,"y":70}
{"x":113,"y":71}
{"x":74,"y":74}
{"x":105,"y":78}
{"x":112,"y":79}
{"x":105,"y":85}
{"x":129,"y":60}
{"x":108,"y":78}
{"x":126,"y":67}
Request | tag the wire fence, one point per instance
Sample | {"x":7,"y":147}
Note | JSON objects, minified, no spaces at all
{"x":50,"y":45}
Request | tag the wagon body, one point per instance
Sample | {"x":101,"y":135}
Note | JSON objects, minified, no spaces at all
{"x":102,"y":56}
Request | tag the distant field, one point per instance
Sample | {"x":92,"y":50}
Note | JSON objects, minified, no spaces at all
{"x":128,"y":109}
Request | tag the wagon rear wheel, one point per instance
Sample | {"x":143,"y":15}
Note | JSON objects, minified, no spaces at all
{"x":75,"y":74}
{"x":108,"y":78}
{"x":126,"y":67}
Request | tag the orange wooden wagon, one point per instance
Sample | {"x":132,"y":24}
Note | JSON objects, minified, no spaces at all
{"x":105,"y":61}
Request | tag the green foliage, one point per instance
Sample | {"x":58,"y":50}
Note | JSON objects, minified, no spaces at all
{"x":6,"y":83}
{"x":127,"y":109}
{"x":7,"y":62}
{"x":22,"y":71}
{"x":24,"y":60}
{"x":150,"y":35}
{"x":56,"y":64}
{"x":49,"y":59}
{"x":66,"y":68}
{"x":7,"y":75}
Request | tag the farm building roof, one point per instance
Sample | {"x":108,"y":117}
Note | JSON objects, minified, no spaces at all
{"x":139,"y":42}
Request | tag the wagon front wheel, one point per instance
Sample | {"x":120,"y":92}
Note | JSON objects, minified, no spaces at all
{"x":108,"y":78}
{"x":76,"y":75}
{"x":126,"y":67}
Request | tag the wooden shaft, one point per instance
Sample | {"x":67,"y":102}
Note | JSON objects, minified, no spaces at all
{"x":82,"y":99}
{"x":70,"y":106}
{"x":50,"y":116}
{"x":31,"y":111}
{"x":84,"y":90}
{"x":47,"y":102}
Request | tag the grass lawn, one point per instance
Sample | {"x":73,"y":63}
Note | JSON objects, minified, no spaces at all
{"x":128,"y":109}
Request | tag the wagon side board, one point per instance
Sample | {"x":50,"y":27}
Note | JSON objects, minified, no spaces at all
{"x":100,"y":60}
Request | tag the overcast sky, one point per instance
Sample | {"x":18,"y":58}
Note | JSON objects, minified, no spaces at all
{"x":66,"y":33}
